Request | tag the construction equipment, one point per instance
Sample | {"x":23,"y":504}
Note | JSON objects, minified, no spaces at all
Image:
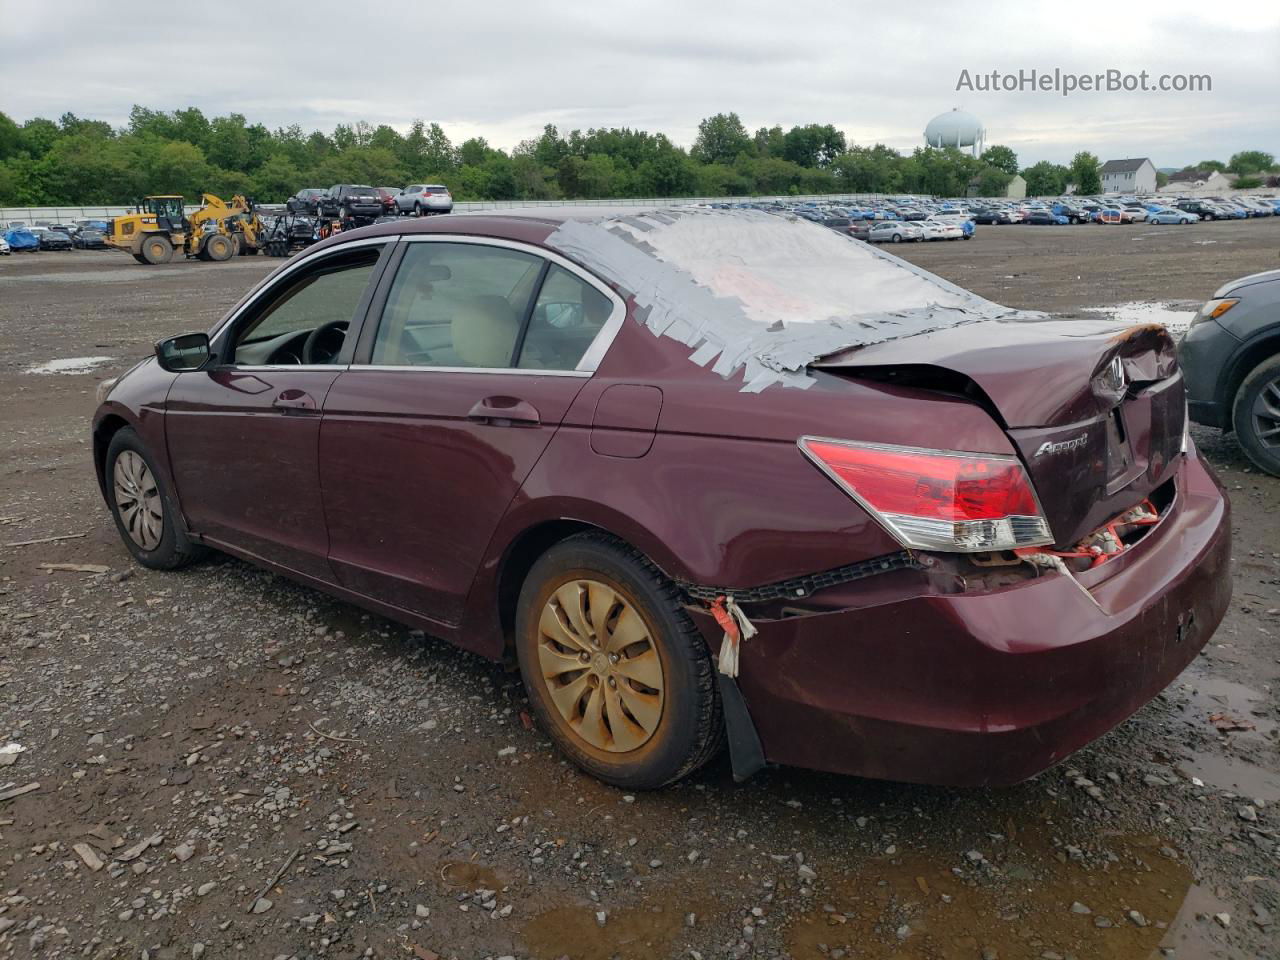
{"x":159,"y":227}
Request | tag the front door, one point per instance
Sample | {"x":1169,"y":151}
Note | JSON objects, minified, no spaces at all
{"x":472,"y":366}
{"x":243,"y":434}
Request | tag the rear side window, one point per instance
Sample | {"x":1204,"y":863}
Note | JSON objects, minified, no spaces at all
{"x":456,"y":305}
{"x":566,"y":319}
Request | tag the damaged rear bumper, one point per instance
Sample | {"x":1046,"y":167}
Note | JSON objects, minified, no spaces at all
{"x":992,"y":687}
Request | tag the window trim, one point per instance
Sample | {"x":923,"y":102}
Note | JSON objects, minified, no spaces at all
{"x":585,"y":367}
{"x":217,"y":339}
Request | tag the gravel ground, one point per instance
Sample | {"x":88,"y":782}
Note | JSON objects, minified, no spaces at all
{"x":229,"y":765}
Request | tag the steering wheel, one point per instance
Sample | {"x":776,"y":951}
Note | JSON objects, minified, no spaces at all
{"x":312,"y":352}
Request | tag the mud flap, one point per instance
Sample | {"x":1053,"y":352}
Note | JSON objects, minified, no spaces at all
{"x":745,"y":750}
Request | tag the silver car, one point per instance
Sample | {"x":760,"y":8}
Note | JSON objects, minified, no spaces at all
{"x":423,"y":199}
{"x":895,"y":231}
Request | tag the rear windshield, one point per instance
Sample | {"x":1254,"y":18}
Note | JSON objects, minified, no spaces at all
{"x":437,"y":189}
{"x":791,"y":271}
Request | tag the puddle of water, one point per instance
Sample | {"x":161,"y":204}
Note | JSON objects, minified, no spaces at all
{"x":1233,"y":775}
{"x":1210,"y":696}
{"x":916,"y":907}
{"x":1191,"y":935}
{"x":461,"y":875}
{"x":1176,"y":319}
{"x":70,"y":365}
{"x":574,"y":932}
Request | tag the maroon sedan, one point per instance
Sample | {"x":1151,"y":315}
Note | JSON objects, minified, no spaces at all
{"x":709,"y":476}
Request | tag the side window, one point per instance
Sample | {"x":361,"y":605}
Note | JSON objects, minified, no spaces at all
{"x":565,"y":320}
{"x":277,"y":327}
{"x":456,"y":305}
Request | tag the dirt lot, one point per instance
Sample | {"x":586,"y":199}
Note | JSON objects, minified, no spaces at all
{"x":231,"y":765}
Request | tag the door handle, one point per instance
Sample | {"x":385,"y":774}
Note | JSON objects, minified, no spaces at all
{"x":298,"y":400}
{"x":505,"y":412}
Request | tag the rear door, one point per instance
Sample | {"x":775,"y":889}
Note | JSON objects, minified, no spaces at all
{"x":474,"y":351}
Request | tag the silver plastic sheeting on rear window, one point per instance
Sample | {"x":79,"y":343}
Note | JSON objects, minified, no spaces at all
{"x":762,"y":294}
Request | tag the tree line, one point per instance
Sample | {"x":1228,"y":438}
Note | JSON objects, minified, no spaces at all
{"x":75,"y":161}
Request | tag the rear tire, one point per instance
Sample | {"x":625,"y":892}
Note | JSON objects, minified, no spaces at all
{"x":659,"y":730}
{"x":157,"y":249}
{"x":417,"y":209}
{"x":151,"y":530}
{"x":219,"y":248}
{"x":1256,"y":411}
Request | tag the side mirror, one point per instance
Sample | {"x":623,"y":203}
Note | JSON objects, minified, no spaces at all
{"x":185,"y":353}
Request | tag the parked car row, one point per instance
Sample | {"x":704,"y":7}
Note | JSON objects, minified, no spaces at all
{"x":355,"y":201}
{"x":887,"y":219}
{"x":80,"y":235}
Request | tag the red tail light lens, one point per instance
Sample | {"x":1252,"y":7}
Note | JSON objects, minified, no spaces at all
{"x":937,"y":499}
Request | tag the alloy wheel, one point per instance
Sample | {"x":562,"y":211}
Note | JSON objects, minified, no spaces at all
{"x":1266,"y":414}
{"x":138,"y":500}
{"x":600,"y":665}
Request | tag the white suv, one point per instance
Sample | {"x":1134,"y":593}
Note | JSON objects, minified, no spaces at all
{"x":423,"y":199}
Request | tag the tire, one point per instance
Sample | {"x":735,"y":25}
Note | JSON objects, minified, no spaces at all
{"x":157,"y":249}
{"x":417,"y":209}
{"x":219,"y":248}
{"x":669,"y":730}
{"x":343,"y":213}
{"x":896,"y":238}
{"x":163,"y":543}
{"x":1255,"y":410}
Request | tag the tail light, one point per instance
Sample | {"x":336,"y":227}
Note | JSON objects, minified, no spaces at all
{"x":937,"y":499}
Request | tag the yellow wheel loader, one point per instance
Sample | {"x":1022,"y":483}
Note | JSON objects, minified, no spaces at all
{"x":159,"y":227}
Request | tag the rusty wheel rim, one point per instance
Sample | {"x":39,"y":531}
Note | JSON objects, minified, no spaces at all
{"x":600,"y":666}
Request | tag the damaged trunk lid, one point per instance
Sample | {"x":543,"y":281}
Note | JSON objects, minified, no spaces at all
{"x":1095,"y":410}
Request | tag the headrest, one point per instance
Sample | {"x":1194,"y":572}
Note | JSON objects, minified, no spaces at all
{"x":484,"y":331}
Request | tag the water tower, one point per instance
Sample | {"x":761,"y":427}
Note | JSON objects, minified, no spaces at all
{"x":956,"y":128}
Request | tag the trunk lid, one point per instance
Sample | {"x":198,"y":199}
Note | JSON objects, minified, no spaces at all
{"x":1095,"y":410}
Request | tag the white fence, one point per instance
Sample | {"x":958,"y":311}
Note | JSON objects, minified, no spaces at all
{"x":33,"y":215}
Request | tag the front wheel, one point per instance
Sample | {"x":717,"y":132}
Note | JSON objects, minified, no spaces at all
{"x":142,"y":506}
{"x":157,"y":249}
{"x":896,"y":238}
{"x":1256,"y":415}
{"x":615,"y":670}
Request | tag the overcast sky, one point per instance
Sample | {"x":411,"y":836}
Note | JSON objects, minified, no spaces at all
{"x":502,"y":68}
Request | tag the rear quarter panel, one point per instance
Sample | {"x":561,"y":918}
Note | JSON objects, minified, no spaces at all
{"x":724,"y":497}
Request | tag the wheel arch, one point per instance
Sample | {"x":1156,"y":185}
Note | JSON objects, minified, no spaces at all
{"x":1249,"y":355}
{"x":106,"y":428}
{"x":489,"y":620}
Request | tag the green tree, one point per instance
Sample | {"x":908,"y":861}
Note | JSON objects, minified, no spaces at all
{"x":1083,"y":172}
{"x":992,"y":182}
{"x":1210,"y":165}
{"x":814,"y":145}
{"x":277,"y":179}
{"x":474,"y":152}
{"x":1002,"y":158}
{"x":1046,"y":179}
{"x":720,"y":139}
{"x":10,"y":137}
{"x":1251,"y":161}
{"x":769,"y":142}
{"x":39,"y":135}
{"x":869,"y":169}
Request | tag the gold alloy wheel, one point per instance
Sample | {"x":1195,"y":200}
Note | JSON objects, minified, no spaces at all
{"x":138,"y":500}
{"x":600,"y":666}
